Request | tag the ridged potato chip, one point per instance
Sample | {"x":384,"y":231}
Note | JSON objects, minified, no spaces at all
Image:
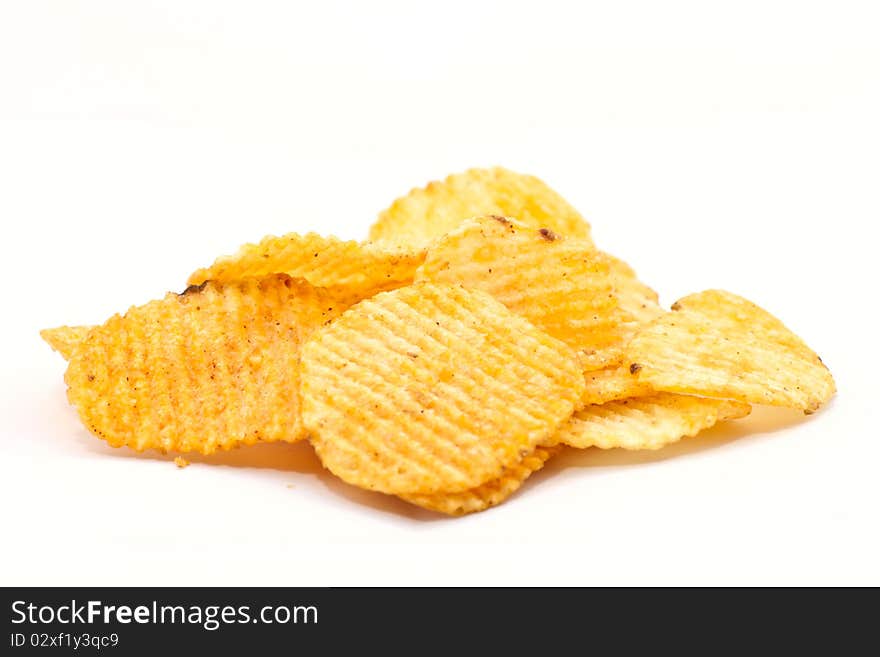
{"x":212,"y":368}
{"x":361,"y":268}
{"x":646,"y":422}
{"x":65,"y":339}
{"x":478,"y":333}
{"x":718,"y":344}
{"x":433,"y":388}
{"x":426,"y":214}
{"x":489,"y":494}
{"x":612,"y":383}
{"x":563,"y":286}
{"x":641,"y":303}
{"x":634,"y":297}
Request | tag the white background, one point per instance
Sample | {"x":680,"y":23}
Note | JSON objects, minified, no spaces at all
{"x":711,"y":145}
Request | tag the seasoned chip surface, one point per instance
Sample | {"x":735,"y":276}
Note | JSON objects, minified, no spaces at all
{"x":362,"y":268}
{"x":611,"y":383}
{"x":212,"y":368}
{"x":636,"y":298}
{"x":563,"y":286}
{"x":478,"y":333}
{"x":718,"y":344}
{"x":433,"y":388}
{"x":64,"y":339}
{"x":646,"y":422}
{"x":428,"y":213}
{"x":491,"y":493}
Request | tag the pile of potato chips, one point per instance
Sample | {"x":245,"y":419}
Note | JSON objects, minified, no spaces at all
{"x":476,"y":334}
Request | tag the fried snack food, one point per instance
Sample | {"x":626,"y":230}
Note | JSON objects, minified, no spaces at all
{"x":489,"y":494}
{"x":64,"y":339}
{"x":426,"y":214}
{"x":718,"y":344}
{"x":212,"y":368}
{"x":563,"y":286}
{"x":477,"y":334}
{"x":433,"y":388}
{"x":646,"y":422}
{"x":361,"y":268}
{"x":611,"y":383}
{"x":634,"y":297}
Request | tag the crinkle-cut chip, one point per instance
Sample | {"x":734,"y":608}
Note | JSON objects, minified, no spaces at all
{"x":646,"y":422}
{"x":491,"y":493}
{"x":611,"y":383}
{"x":636,"y":298}
{"x":363,"y":268}
{"x":718,"y":344}
{"x":563,"y":286}
{"x":212,"y":368}
{"x":64,"y":339}
{"x":428,"y":213}
{"x":433,"y":388}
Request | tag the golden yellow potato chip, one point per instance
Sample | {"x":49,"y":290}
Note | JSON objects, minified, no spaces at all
{"x":433,"y":388}
{"x":489,"y":494}
{"x":611,"y":383}
{"x":718,"y":344}
{"x":563,"y":286}
{"x":641,"y":303}
{"x":362,"y":268}
{"x":426,"y":214}
{"x":64,"y":339}
{"x":636,"y":298}
{"x":212,"y":368}
{"x":646,"y":422}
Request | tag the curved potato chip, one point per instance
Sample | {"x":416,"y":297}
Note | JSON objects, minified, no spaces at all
{"x":636,"y":298}
{"x":646,"y":422}
{"x":563,"y":286}
{"x":433,"y":388}
{"x":363,"y":268}
{"x":718,"y":344}
{"x":489,"y":494}
{"x":64,"y":339}
{"x":612,"y":383}
{"x":214,"y":367}
{"x":426,"y":214}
